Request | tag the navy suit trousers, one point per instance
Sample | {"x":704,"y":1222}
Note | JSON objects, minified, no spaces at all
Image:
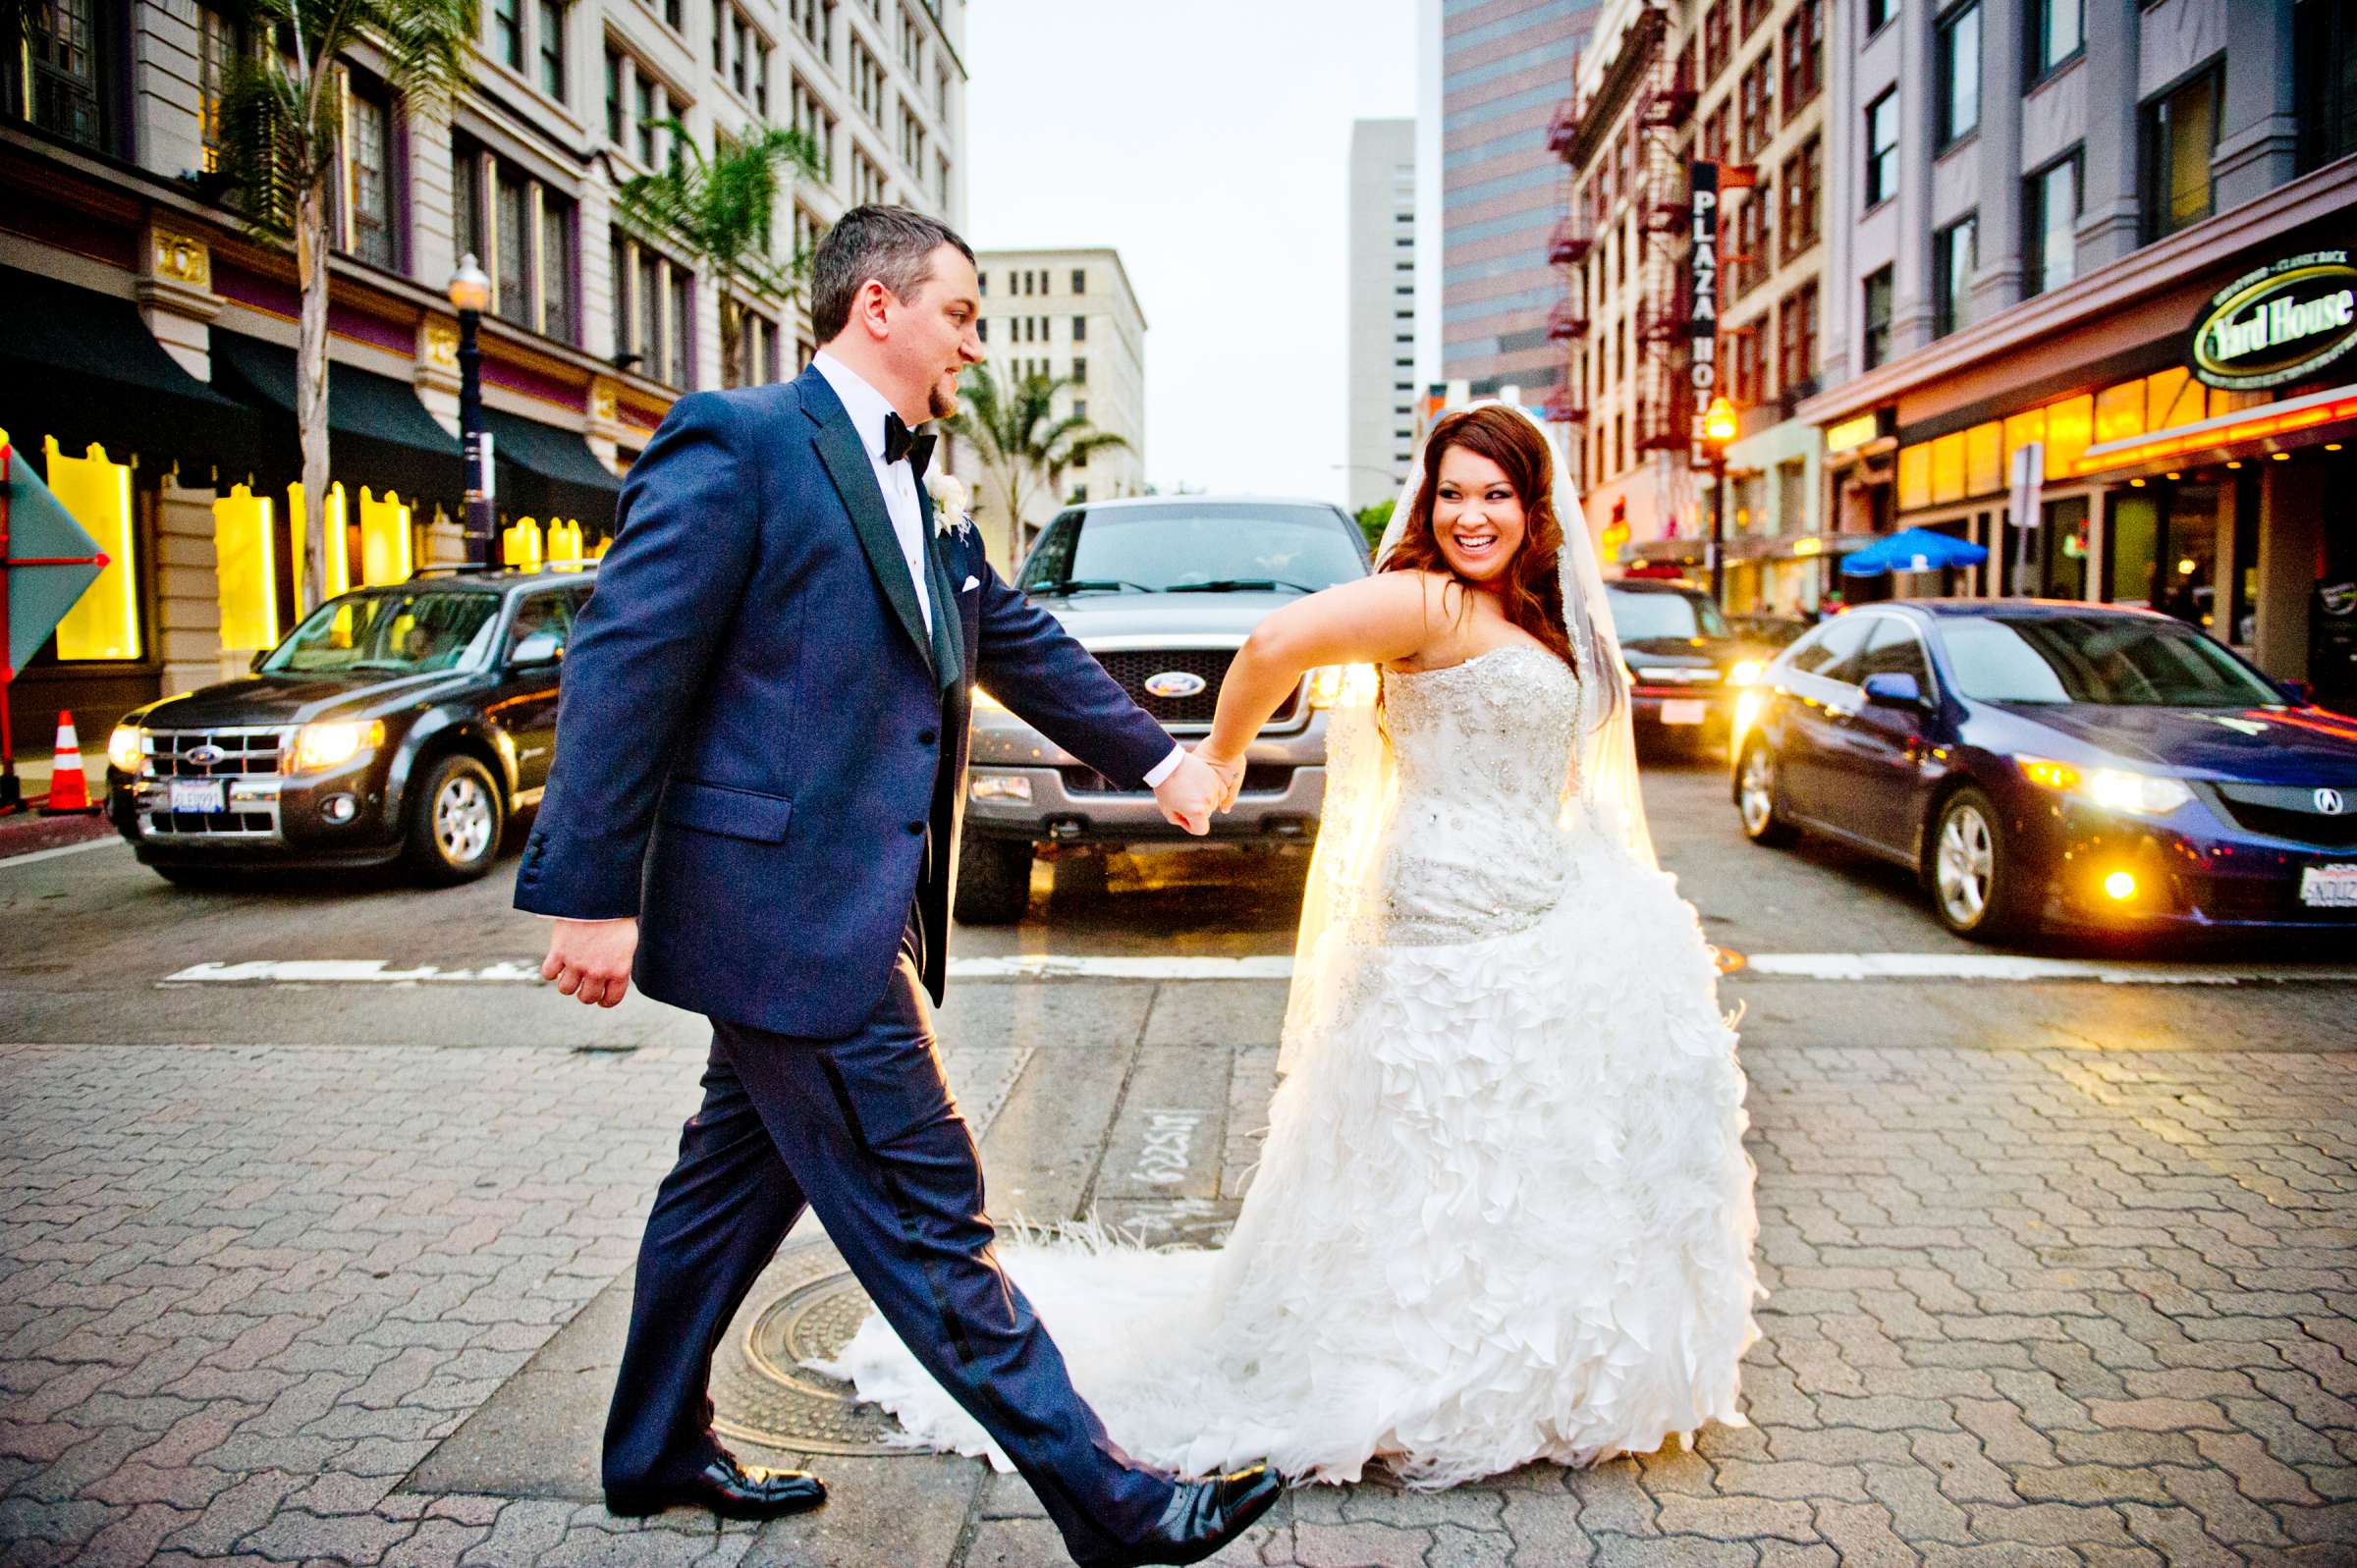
{"x":862,"y":1129}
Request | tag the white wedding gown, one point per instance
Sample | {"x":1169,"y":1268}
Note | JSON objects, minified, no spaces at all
{"x":1504,"y":1212}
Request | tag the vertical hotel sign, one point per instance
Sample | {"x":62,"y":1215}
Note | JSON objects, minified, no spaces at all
{"x":1702,"y":290}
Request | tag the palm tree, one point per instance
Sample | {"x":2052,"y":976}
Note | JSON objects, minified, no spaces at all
{"x":282,"y":113}
{"x":1026,"y":450}
{"x":719,"y":209}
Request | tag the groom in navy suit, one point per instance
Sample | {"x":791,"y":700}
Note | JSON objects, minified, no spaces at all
{"x":760,"y":767}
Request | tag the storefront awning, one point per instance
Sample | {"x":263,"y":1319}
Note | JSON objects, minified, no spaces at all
{"x":81,"y":366}
{"x":545,"y":472}
{"x":379,"y":434}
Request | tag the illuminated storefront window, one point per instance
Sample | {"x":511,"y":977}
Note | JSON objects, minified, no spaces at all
{"x":385,"y":539}
{"x":104,"y":623}
{"x":247,"y":569}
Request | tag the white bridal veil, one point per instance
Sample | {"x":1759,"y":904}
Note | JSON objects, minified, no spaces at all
{"x":1601,"y":798}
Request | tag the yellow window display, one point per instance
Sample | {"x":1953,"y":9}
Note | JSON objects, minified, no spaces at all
{"x":1948,"y":467}
{"x":1914,"y":476}
{"x":1984,"y":468}
{"x":521,"y":545}
{"x":336,"y":578}
{"x":384,"y":538}
{"x":247,"y":569}
{"x":104,"y":623}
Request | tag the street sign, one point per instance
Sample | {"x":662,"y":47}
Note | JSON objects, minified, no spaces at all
{"x":1702,"y":291}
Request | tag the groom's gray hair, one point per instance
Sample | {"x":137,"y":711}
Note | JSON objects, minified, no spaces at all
{"x":892,"y":245}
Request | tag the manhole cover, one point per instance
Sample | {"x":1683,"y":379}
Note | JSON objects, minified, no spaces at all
{"x":805,"y":1305}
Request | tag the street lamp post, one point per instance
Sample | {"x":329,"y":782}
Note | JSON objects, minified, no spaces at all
{"x":1718,"y":429}
{"x":471,"y":294}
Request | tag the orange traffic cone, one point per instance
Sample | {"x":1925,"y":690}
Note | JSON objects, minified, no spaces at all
{"x":69,"y":788}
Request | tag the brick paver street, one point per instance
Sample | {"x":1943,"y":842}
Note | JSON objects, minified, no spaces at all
{"x":2030,"y":1308}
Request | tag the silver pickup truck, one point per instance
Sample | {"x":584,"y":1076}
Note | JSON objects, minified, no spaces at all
{"x":1164,"y":590}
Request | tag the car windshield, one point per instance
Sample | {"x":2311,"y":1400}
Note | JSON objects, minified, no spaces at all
{"x":398,"y":631}
{"x":1642,"y":617}
{"x":2113,"y":661}
{"x":1162,"y":549}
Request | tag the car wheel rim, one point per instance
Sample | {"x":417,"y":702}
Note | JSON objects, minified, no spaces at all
{"x":462,"y":821}
{"x":1758,"y":801}
{"x":1967,"y":865}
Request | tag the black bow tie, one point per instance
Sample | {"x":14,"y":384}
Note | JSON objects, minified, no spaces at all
{"x":902,"y":442}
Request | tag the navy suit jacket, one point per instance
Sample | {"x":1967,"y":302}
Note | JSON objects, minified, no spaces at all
{"x":760,"y":753}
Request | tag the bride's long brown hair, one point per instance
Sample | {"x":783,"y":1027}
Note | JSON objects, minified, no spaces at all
{"x":1531,"y":592}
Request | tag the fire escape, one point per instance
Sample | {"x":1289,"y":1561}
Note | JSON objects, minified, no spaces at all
{"x":1664,"y":412}
{"x":1568,"y":247}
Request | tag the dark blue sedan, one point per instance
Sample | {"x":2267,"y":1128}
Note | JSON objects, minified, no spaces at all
{"x":2057,"y":764}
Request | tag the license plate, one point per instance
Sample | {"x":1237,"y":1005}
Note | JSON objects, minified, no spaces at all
{"x":2329,"y":886}
{"x":198,"y":794}
{"x":1683,"y":710}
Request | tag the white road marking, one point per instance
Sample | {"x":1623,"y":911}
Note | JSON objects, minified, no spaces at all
{"x":1170,"y":1147}
{"x":1834,"y":966}
{"x":65,"y":850}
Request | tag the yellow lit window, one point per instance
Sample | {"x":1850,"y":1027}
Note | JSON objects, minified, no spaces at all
{"x":521,"y":548}
{"x":2020,"y":431}
{"x":1983,"y":471}
{"x":2120,"y":411}
{"x":336,"y":575}
{"x":2174,"y":397}
{"x":1948,"y":467}
{"x":384,"y":538}
{"x":2067,"y":434}
{"x":245,"y":569}
{"x":1914,"y":476}
{"x":104,"y":623}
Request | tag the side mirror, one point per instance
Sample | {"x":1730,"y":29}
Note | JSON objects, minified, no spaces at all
{"x":2301,"y":693}
{"x":540,"y":648}
{"x":1893,"y":688}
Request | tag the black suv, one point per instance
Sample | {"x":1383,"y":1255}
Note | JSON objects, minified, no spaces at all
{"x":396,"y":722}
{"x":1686,"y":666}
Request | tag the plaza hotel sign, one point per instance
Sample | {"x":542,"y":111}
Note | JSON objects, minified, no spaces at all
{"x":2278,"y":324}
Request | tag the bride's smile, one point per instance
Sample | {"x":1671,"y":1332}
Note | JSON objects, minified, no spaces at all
{"x":1476,"y":517}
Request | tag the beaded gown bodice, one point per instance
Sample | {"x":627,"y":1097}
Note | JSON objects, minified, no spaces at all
{"x":1473,"y":847}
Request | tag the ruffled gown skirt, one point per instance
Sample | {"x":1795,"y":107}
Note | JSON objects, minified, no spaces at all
{"x":1503,"y":1214}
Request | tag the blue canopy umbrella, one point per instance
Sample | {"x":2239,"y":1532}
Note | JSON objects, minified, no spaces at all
{"x":1912,"y":549}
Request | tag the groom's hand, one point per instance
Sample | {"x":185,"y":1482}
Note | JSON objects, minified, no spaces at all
{"x":1190,"y":795}
{"x":1229,"y":773}
{"x":591,"y":959}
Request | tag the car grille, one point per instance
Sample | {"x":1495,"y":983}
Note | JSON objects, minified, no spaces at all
{"x":1134,"y":667}
{"x":1273,"y":778}
{"x":244,"y":753}
{"x":2288,"y":811}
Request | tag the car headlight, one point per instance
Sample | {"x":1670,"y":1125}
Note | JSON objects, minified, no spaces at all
{"x":1342,"y":686}
{"x":2141,"y":794}
{"x":1001,"y":786}
{"x":983,"y":699}
{"x":1746,"y":672}
{"x":122,"y":749}
{"x":328,"y":746}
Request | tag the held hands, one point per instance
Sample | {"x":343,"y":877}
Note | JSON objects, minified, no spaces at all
{"x":1230,"y":772}
{"x":1190,"y":795}
{"x":591,"y":959}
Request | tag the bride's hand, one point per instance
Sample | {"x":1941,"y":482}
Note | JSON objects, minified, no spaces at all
{"x":1231,"y":775}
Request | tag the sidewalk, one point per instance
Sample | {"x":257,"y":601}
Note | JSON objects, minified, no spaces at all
{"x":2030,"y":1308}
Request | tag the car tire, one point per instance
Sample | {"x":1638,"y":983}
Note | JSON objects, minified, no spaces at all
{"x":455,"y":818}
{"x":1755,"y":798}
{"x":994,"y":882}
{"x":196,"y":879}
{"x":1977,"y":890}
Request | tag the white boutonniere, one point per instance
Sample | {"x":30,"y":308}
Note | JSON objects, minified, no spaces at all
{"x":949,"y":504}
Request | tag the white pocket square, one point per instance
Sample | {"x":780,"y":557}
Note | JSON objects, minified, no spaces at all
{"x":970,"y":585}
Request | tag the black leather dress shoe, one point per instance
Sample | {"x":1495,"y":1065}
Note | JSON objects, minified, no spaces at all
{"x":728,"y":1489}
{"x":1203,"y":1516}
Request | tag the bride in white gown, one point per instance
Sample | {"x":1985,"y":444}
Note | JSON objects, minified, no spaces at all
{"x":1504,"y":1212}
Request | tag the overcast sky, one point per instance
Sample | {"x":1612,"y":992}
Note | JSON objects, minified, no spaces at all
{"x":1209,"y":143}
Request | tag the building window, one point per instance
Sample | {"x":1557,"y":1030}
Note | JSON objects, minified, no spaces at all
{"x":811,"y":119}
{"x":867,"y":83}
{"x":507,"y":33}
{"x":1080,"y":371}
{"x":1796,"y":340}
{"x":675,"y":14}
{"x":761,"y":77}
{"x":2180,"y":133}
{"x":651,"y":110}
{"x":2324,"y":47}
{"x":1080,"y":278}
{"x":1744,"y":367}
{"x":1079,"y":329}
{"x":617,"y":111}
{"x":2049,"y":213}
{"x":982,"y":329}
{"x":1804,"y":56}
{"x":1802,"y":173}
{"x":1755,"y":12}
{"x":1957,"y":93}
{"x":1879,"y":11}
{"x":1747,"y":261}
{"x":1955,"y":252}
{"x":867,"y":181}
{"x":552,"y":48}
{"x":221,"y":40}
{"x":1882,"y":147}
{"x":524,"y":234}
{"x":368,"y":175}
{"x":1877,"y":317}
{"x":2058,"y":33}
{"x":1715,"y":53}
{"x":1756,"y":103}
